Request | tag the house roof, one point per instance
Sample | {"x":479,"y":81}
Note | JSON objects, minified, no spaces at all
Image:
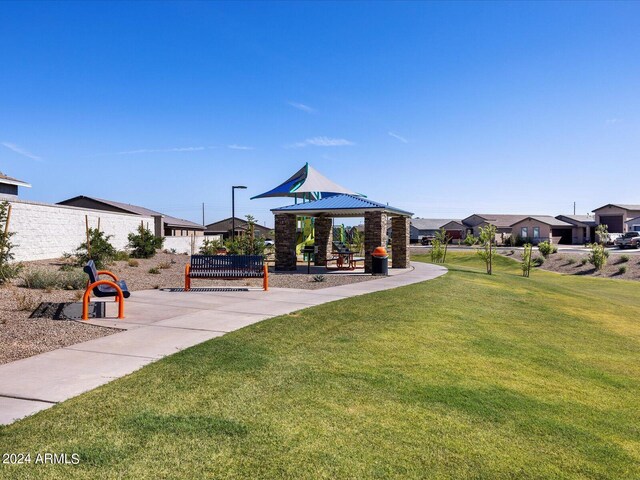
{"x":309,"y":181}
{"x":578,"y":220}
{"x":343,"y":205}
{"x":499,"y":219}
{"x":137,"y":210}
{"x":546,"y":219}
{"x":223,"y":226}
{"x":7,"y":180}
{"x":625,"y":206}
{"x":430,"y":223}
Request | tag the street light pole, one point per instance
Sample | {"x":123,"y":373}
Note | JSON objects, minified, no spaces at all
{"x":233,"y":209}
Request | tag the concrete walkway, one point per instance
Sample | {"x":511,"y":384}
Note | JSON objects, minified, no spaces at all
{"x":157,"y":324}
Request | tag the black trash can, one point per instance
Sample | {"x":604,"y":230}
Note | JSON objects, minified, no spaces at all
{"x":380,"y":262}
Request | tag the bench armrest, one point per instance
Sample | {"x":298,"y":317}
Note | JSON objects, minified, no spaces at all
{"x":107,"y":272}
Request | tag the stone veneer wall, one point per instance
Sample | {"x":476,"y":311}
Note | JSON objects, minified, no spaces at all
{"x":375,"y":235}
{"x":45,"y":231}
{"x":400,"y":226}
{"x":285,"y":230}
{"x":323,"y":239}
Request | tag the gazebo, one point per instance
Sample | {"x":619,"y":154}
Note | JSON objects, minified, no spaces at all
{"x":377,"y":217}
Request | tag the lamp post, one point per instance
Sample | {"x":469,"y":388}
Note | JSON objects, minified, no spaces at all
{"x":233,"y":209}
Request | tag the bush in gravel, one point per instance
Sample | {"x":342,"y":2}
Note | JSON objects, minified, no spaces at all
{"x":122,"y":256}
{"x":598,"y":256}
{"x":100,"y":250}
{"x":583,"y":261}
{"x":42,"y":279}
{"x":25,"y":301}
{"x":7,"y":269}
{"x":623,"y":259}
{"x":622,"y":269}
{"x":211,"y":247}
{"x":154,"y":270}
{"x":164,"y":265}
{"x":546,"y":248}
{"x":144,"y":243}
{"x":538,"y":261}
{"x":571,"y":261}
{"x":133,"y":263}
{"x":319,"y":278}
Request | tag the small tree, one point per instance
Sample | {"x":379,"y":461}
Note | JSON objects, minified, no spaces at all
{"x":602,"y":234}
{"x":7,"y":269}
{"x":488,"y":246}
{"x":99,"y":249}
{"x":526,"y":260}
{"x":546,"y":248}
{"x":439,"y":246}
{"x":357,"y":241}
{"x":143,"y":244}
{"x":598,"y":256}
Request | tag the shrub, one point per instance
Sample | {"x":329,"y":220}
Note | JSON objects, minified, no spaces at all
{"x":8,"y":270}
{"x":25,"y":301}
{"x":74,"y":279}
{"x":571,"y":261}
{"x":210,"y":247}
{"x":154,"y":270}
{"x":133,"y":262}
{"x":121,"y":255}
{"x":319,"y":278}
{"x":470,"y":240}
{"x":598,"y":256}
{"x":164,"y":265}
{"x":546,"y":248}
{"x":622,"y":269}
{"x":584,"y":260}
{"x":538,"y":261}
{"x":100,"y":250}
{"x":43,"y":279}
{"x":144,"y":243}
{"x":623,"y":259}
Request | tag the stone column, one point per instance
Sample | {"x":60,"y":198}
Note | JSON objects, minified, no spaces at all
{"x":323,"y":239}
{"x":400,"y":226}
{"x":375,"y":235}
{"x":285,"y":240}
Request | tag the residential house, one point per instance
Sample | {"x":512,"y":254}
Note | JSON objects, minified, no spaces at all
{"x":583,"y":228}
{"x":426,"y":227}
{"x":542,"y":228}
{"x":224,"y":228}
{"x":615,"y":216}
{"x":165,"y":225}
{"x":9,"y":186}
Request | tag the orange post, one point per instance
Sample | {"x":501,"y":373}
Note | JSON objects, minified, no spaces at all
{"x":87,"y":294}
{"x":187,"y":278}
{"x":265,"y":279}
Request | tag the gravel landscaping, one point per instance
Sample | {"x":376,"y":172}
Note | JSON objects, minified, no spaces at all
{"x":22,"y":337}
{"x":575,"y":264}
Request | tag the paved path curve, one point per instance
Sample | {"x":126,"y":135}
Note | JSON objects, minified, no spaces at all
{"x":158,"y":324}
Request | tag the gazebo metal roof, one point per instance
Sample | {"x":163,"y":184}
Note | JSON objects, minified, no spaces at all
{"x":343,"y":205}
{"x":306,"y":183}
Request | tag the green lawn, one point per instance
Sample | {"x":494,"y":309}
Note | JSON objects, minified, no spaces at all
{"x":465,"y":376}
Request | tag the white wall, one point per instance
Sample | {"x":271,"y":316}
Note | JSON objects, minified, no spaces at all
{"x":184,"y":244}
{"x":45,"y":231}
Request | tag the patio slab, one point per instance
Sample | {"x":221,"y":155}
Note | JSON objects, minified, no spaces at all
{"x":159,"y":323}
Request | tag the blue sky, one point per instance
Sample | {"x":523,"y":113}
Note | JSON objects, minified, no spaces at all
{"x":443,"y":109}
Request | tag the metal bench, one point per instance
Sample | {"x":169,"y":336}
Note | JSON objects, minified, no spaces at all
{"x":226,"y":267}
{"x":103,"y":288}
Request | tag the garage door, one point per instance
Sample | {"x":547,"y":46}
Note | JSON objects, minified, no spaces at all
{"x":564,"y":235}
{"x":455,"y":234}
{"x":613,"y":222}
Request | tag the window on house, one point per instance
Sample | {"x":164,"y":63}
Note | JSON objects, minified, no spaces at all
{"x":524,"y":232}
{"x":536,"y":232}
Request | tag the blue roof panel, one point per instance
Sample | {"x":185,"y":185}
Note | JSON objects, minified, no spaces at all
{"x":340,"y":202}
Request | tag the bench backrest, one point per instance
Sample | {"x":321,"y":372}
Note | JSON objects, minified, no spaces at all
{"x":90,"y":269}
{"x":228,"y":265}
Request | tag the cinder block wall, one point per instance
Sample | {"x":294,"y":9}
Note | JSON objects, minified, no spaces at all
{"x":45,"y":231}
